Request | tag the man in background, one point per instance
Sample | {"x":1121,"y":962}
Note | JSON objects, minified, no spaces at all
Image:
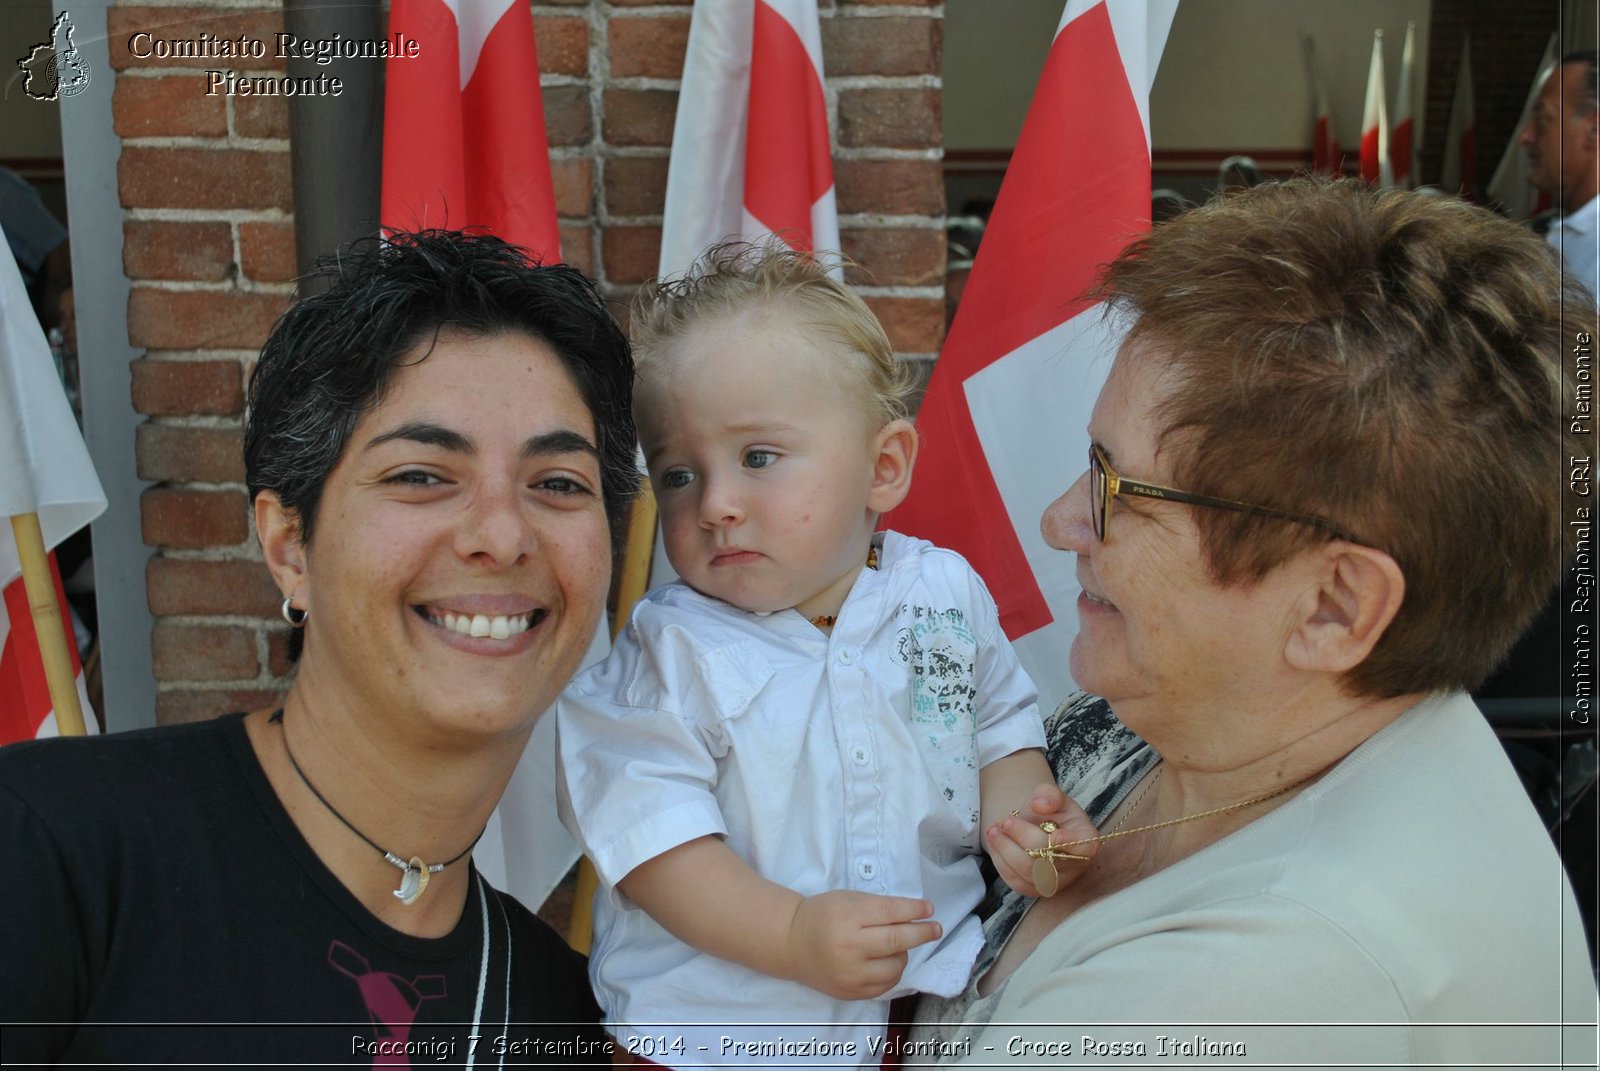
{"x":1563,"y":143}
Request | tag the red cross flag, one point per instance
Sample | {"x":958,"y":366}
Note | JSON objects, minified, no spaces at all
{"x":1375,"y":165}
{"x":463,"y":124}
{"x":1003,"y":422}
{"x":1459,"y":173}
{"x":751,"y":154}
{"x":464,"y":146}
{"x":1326,"y":157}
{"x":44,"y":470}
{"x":1403,"y":138}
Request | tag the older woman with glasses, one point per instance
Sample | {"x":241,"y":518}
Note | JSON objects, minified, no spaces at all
{"x":1324,"y":497}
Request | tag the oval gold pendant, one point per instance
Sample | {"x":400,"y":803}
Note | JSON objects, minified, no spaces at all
{"x":1045,"y":878}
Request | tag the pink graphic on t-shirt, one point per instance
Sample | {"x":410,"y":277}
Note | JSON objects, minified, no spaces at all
{"x":391,"y":1001}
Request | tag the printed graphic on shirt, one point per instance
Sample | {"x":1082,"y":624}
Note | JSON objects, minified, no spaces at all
{"x":939,"y":650}
{"x":392,"y":1001}
{"x":1083,"y":736}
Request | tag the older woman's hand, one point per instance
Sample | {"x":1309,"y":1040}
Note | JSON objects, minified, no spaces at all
{"x":1009,"y":839}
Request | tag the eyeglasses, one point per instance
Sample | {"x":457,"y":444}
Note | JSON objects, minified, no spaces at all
{"x":1105,"y":484}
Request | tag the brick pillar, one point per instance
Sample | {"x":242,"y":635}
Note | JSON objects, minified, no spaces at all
{"x":209,"y":248}
{"x":567,"y":57}
{"x":883,"y":86}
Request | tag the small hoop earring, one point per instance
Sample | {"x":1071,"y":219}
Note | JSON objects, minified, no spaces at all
{"x":296,"y":617}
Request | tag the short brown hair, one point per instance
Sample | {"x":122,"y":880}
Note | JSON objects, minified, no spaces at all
{"x":1390,"y":362}
{"x":733,"y":277}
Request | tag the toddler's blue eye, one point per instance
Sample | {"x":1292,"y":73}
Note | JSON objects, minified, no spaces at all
{"x":759,"y":459}
{"x":676,"y":478}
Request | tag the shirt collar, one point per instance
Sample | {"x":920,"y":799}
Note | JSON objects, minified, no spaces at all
{"x":1584,"y":219}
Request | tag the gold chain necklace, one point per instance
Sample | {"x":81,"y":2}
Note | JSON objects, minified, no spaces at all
{"x":1047,"y":881}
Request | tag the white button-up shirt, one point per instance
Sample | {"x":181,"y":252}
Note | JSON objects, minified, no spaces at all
{"x":842,"y":761}
{"x":1577,"y":238}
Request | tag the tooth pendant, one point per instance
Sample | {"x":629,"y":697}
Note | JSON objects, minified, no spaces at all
{"x":413,"y":881}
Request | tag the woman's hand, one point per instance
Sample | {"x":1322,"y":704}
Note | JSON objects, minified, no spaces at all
{"x":1009,"y":839}
{"x":852,"y":945}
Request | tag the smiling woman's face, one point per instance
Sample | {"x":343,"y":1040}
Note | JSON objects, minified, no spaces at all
{"x":1155,"y":632}
{"x":461,"y":557}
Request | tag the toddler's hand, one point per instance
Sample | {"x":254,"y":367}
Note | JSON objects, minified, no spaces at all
{"x":852,"y":945}
{"x":1007,"y":840}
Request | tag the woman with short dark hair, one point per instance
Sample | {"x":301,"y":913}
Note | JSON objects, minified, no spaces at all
{"x":440,"y":454}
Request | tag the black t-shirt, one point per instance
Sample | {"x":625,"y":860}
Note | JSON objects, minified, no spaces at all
{"x":161,"y":907}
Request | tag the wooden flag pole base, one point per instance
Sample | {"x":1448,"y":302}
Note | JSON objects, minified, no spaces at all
{"x":47,"y":624}
{"x":632,"y":581}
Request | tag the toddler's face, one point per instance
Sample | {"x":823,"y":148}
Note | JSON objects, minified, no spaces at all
{"x":762,"y":463}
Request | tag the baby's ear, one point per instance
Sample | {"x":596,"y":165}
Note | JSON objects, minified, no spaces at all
{"x":894,"y":452}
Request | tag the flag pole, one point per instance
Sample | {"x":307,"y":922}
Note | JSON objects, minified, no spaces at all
{"x":632,"y":582}
{"x":47,"y":624}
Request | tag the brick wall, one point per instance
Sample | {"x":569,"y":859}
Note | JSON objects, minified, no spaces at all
{"x":209,"y":248}
{"x":208,"y":245}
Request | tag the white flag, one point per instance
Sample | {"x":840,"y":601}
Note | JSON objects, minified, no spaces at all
{"x":1375,"y":165}
{"x":751,"y":153}
{"x":1402,"y":140}
{"x":44,"y":469}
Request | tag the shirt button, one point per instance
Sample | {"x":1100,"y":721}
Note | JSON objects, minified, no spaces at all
{"x":866,"y":869}
{"x":860,"y":755}
{"x":847,"y":655}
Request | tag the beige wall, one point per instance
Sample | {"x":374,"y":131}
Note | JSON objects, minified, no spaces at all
{"x":1233,"y":76}
{"x":993,"y":53}
{"x":1234,"y":73}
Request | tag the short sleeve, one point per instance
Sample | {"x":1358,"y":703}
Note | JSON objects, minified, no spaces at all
{"x":638,"y":738}
{"x":1008,"y":703}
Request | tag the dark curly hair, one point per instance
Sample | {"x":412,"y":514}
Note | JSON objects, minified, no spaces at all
{"x":332,"y":356}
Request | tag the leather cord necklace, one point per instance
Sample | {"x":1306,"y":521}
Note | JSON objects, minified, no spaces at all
{"x":414,"y":873}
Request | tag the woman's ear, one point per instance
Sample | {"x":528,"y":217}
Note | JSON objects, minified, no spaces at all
{"x":279,"y":531}
{"x":1357,"y":593}
{"x":894,"y":453}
